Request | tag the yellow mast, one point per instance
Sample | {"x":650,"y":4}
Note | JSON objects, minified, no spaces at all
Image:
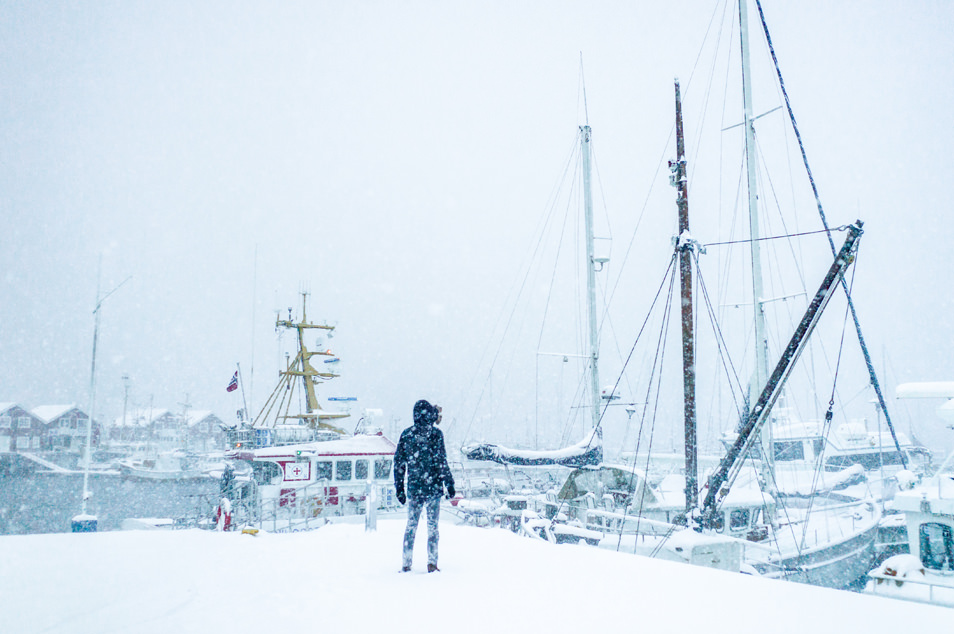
{"x":301,"y":367}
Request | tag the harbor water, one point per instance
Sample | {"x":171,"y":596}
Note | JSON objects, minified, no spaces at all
{"x":36,"y":501}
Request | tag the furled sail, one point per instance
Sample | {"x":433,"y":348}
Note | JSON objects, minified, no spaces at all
{"x":586,"y":453}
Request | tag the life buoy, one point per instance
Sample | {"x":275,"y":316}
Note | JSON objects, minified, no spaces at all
{"x":223,"y":516}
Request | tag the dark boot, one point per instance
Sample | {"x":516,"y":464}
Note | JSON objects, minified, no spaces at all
{"x":433,"y":568}
{"x":405,"y":569}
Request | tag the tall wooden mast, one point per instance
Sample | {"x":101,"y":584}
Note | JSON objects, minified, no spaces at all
{"x":684,"y":244}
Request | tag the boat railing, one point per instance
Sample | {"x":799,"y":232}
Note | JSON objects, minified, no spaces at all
{"x":908,"y":589}
{"x":297,"y":509}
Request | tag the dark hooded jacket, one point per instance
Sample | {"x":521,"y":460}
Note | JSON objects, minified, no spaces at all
{"x":421,"y":454}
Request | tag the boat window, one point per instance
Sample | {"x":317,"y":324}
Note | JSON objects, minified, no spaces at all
{"x":739,"y":518}
{"x":322,"y":470}
{"x":789,"y":450}
{"x":937,"y":546}
{"x":382,"y":469}
{"x":360,"y":469}
{"x":869,"y":461}
{"x":818,"y":446}
{"x":265,"y":472}
{"x":343,"y":470}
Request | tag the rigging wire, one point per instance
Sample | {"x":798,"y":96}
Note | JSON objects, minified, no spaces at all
{"x":778,"y":237}
{"x":657,"y":362}
{"x":831,"y":402}
{"x":662,"y":160}
{"x":519,"y":285}
{"x":730,"y":370}
{"x":831,"y":242}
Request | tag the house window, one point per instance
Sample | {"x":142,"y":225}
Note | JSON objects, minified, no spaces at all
{"x":23,"y":442}
{"x":6,"y":422}
{"x":360,"y":469}
{"x":343,"y":470}
{"x":937,"y":546}
{"x":35,"y":443}
{"x":23,"y":422}
{"x":322,"y":470}
{"x":382,"y":469}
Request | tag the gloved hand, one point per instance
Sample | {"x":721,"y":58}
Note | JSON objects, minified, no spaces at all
{"x":401,"y":497}
{"x":450,"y":491}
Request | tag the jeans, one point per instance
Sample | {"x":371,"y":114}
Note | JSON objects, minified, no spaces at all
{"x":414,"y":508}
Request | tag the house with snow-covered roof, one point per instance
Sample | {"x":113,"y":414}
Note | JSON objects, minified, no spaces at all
{"x":21,"y":430}
{"x":66,"y":427}
{"x":204,"y":431}
{"x":142,"y":425}
{"x":198,"y":430}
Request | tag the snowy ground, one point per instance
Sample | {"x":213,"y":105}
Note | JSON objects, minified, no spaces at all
{"x":341,"y":578}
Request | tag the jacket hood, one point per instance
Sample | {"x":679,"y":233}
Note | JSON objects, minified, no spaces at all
{"x":424,"y":413}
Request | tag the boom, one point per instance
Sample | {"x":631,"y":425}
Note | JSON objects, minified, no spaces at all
{"x":720,"y":482}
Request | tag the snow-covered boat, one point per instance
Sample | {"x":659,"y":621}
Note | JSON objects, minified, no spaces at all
{"x":926,"y":572}
{"x":166,"y":465}
{"x":818,"y":537}
{"x":298,"y":484}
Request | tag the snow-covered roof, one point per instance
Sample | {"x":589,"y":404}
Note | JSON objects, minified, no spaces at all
{"x":5,"y":406}
{"x":933,"y":389}
{"x":51,"y":412}
{"x":140,"y":417}
{"x":351,"y":446}
{"x":198,"y":415}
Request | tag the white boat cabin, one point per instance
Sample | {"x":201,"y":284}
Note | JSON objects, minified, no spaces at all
{"x":848,"y":444}
{"x":927,"y":573}
{"x":325,"y":478}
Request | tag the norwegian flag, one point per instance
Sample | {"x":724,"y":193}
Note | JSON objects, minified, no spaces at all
{"x":233,"y":384}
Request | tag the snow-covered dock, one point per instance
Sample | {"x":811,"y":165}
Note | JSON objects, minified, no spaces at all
{"x":341,"y":578}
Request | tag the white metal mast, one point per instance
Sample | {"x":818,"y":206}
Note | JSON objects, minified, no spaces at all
{"x":590,"y":278}
{"x":761,"y":342}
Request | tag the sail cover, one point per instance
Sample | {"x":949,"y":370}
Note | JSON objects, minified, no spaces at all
{"x":586,"y":453}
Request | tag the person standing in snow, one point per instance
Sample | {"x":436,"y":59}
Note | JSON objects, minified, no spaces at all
{"x":422,"y":456}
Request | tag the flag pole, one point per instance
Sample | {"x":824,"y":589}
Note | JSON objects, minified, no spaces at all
{"x":242,"y":385}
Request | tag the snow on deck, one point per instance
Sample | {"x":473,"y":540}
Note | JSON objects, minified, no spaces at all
{"x":342,"y":579}
{"x":349,"y":445}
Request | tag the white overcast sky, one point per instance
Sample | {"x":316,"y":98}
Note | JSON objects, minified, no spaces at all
{"x":394,"y":159}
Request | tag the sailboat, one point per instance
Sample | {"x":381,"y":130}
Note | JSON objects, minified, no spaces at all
{"x":796,"y":545}
{"x":588,"y":452}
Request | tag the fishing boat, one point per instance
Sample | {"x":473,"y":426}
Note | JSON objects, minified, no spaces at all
{"x":304,"y":468}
